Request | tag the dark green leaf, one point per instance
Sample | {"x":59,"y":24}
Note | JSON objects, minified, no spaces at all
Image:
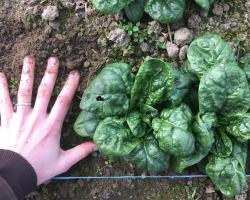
{"x":113,"y":138}
{"x":222,"y":146}
{"x":135,"y":10}
{"x":108,"y":94}
{"x":206,"y":51}
{"x":86,"y":124}
{"x":224,"y":90}
{"x":148,"y":156}
{"x":239,"y":126}
{"x":110,"y":6}
{"x":136,"y":124}
{"x":172,"y":131}
{"x":228,"y":174}
{"x":203,"y":128}
{"x":204,"y":4}
{"x":245,"y":64}
{"x":165,"y":11}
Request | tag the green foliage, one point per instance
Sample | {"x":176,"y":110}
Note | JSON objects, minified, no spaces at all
{"x":137,"y":33}
{"x":228,"y":173}
{"x":143,"y":119}
{"x":206,"y":51}
{"x":164,"y":11}
{"x":135,"y":10}
{"x":110,"y":6}
{"x":245,"y":64}
{"x":172,"y":130}
{"x":204,"y":4}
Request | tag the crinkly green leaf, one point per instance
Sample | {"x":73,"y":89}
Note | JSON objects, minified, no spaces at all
{"x":113,"y":138}
{"x":136,"y":124}
{"x":86,"y":124}
{"x":245,"y":64}
{"x":204,"y":4}
{"x":222,"y":146}
{"x":206,"y":51}
{"x":181,"y":85}
{"x":108,"y":94}
{"x":158,"y":82}
{"x":135,"y":10}
{"x":148,"y":156}
{"x":238,"y":126}
{"x":203,"y":128}
{"x":224,"y":89}
{"x":153,"y":84}
{"x":165,"y":11}
{"x":110,"y":6}
{"x":228,"y":174}
{"x":172,"y":131}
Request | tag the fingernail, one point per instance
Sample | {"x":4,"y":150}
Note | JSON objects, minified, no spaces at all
{"x":74,"y":73}
{"x":30,"y":60}
{"x":53,"y":61}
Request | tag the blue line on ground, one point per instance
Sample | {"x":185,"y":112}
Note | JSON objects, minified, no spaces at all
{"x":132,"y":177}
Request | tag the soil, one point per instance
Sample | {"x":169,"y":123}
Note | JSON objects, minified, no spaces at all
{"x":78,"y":38}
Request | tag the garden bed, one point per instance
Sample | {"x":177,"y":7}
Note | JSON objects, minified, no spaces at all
{"x":78,"y":37}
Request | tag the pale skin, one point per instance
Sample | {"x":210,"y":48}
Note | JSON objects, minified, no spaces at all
{"x":31,"y":131}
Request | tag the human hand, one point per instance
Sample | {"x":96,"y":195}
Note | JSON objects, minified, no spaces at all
{"x":32,"y":132}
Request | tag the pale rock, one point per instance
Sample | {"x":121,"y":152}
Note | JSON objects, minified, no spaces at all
{"x":183,"y":36}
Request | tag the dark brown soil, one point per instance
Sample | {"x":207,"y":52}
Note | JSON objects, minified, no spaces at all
{"x":74,"y":43}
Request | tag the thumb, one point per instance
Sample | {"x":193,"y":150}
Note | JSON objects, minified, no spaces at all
{"x":74,"y":155}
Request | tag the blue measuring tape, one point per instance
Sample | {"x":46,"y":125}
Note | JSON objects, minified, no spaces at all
{"x":131,"y":177}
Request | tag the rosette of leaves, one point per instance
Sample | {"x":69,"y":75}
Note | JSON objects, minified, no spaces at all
{"x":118,"y":110}
{"x":164,"y":11}
{"x":144,"y":120}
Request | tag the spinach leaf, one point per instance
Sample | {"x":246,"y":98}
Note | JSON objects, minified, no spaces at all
{"x":136,"y":124}
{"x":206,"y":51}
{"x":113,"y":138}
{"x":239,"y":126}
{"x":110,"y":6}
{"x":157,"y":82}
{"x":165,"y":11}
{"x":153,"y":84}
{"x":203,"y":128}
{"x":108,"y":94}
{"x":204,"y":4}
{"x":148,"y":156}
{"x":86,"y":124}
{"x":228,"y":174}
{"x":135,"y":10}
{"x":245,"y":64}
{"x":224,"y":90}
{"x":172,"y":130}
{"x":222,"y":146}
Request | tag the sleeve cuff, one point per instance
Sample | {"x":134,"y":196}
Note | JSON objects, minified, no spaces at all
{"x":17,"y":172}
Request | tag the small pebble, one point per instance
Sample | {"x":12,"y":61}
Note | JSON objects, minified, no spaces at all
{"x":86,"y":64}
{"x":183,"y":52}
{"x":172,"y":50}
{"x":50,"y":13}
{"x":183,"y":36}
{"x":144,"y":47}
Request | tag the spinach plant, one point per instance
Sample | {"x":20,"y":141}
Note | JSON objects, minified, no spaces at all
{"x":167,"y":117}
{"x":164,"y":11}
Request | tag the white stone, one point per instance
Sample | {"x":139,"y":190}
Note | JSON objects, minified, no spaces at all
{"x":50,"y":13}
{"x":183,"y":36}
{"x":172,"y":50}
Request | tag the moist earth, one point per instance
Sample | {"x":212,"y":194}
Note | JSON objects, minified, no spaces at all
{"x":85,"y":40}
